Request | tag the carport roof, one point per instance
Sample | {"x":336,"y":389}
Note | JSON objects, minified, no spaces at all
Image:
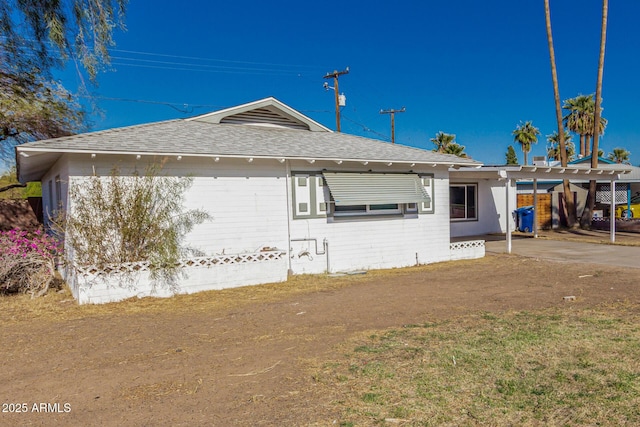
{"x":581,"y":173}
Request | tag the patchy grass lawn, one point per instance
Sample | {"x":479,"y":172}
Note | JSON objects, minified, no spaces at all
{"x":403,"y":347}
{"x":546,"y":367}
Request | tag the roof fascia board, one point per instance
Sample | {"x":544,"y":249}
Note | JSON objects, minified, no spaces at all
{"x":28,"y":151}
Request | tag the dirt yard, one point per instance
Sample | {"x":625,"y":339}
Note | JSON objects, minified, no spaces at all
{"x":247,"y":356}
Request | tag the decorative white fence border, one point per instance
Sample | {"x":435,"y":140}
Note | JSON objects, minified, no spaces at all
{"x":209,"y":261}
{"x":93,"y":285}
{"x":470,"y":249}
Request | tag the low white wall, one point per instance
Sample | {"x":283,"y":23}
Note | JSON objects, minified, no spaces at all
{"x":471,"y":249}
{"x":91,"y":286}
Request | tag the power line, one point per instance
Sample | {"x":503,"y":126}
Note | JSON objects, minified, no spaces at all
{"x":187,"y":107}
{"x":367,"y":129}
{"x":193,"y":67}
{"x":221,"y":67}
{"x":211,"y":59}
{"x":265,"y":67}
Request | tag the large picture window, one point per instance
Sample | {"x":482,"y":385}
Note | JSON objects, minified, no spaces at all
{"x":463,"y":202}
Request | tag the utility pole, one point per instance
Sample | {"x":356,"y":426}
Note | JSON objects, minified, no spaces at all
{"x":393,"y":112}
{"x":335,"y":76}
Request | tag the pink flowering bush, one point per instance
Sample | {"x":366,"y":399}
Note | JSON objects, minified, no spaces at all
{"x":27,"y":261}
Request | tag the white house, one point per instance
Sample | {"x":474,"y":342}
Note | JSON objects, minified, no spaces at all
{"x":285,"y":194}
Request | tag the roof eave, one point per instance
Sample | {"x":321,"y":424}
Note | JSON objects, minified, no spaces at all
{"x":544,"y":172}
{"x":25,"y":152}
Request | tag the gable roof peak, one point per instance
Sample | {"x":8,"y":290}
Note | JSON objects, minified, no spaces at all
{"x":268,"y":112}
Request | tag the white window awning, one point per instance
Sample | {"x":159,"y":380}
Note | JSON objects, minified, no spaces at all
{"x":354,"y":188}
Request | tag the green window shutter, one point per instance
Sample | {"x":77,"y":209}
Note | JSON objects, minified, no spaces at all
{"x":301,"y":196}
{"x":426,"y":206}
{"x":321,"y":197}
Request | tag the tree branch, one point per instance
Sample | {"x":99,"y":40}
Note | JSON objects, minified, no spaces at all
{"x":9,"y":187}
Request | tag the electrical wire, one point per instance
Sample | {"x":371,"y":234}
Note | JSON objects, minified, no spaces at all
{"x":137,"y":59}
{"x":228,"y":71}
{"x":215,"y":67}
{"x":210,"y":59}
{"x":367,"y":129}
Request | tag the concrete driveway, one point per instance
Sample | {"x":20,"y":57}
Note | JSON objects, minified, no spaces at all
{"x":570,"y":251}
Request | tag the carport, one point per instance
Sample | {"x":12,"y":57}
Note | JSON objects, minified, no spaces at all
{"x":510,"y":174}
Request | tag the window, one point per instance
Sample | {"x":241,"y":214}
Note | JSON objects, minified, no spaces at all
{"x":351,"y":194}
{"x":367,"y":193}
{"x":462,"y":199}
{"x":58,"y":193}
{"x":378,"y":209}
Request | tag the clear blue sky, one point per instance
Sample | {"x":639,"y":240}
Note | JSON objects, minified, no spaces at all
{"x":468,"y":67}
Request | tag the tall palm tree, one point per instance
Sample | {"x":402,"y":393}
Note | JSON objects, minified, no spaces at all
{"x":585,"y":221}
{"x":442,"y":141}
{"x":579,"y":119}
{"x":526,"y":134}
{"x":553,"y":150}
{"x":620,"y":155}
{"x":591,"y":129}
{"x":568,"y":194}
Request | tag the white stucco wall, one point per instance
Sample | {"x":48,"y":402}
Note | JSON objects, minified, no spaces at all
{"x":374,"y":242}
{"x":250,"y":204}
{"x":493,"y":214}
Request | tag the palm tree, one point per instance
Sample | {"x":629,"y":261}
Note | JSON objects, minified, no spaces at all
{"x":442,"y":141}
{"x":553,"y":152}
{"x":455,"y":149}
{"x":589,"y":134}
{"x":568,"y":194}
{"x":579,"y":119}
{"x":526,"y":134}
{"x":620,"y":155}
{"x":585,"y":221}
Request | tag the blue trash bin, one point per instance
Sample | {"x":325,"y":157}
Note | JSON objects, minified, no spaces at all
{"x":524,"y":219}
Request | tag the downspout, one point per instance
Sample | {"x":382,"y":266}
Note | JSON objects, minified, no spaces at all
{"x":325,"y":243}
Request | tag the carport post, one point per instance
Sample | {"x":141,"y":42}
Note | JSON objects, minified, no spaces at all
{"x":612,"y":213}
{"x":508,"y":215}
{"x":535,"y":208}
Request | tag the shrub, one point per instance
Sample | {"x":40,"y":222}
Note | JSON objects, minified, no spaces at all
{"x":27,"y":261}
{"x":119,"y":219}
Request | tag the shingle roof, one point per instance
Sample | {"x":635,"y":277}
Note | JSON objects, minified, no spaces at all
{"x":188,"y":137}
